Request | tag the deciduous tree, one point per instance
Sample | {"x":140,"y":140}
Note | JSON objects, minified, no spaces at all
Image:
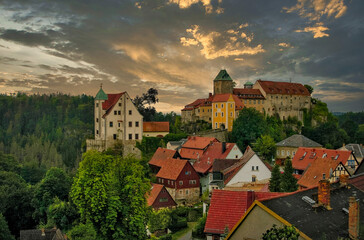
{"x":266,"y":147}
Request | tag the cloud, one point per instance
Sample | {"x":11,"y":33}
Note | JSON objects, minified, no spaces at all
{"x":215,"y":44}
{"x":318,"y":30}
{"x":316,"y":11}
{"x":183,"y":4}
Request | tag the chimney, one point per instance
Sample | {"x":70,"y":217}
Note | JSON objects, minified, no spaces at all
{"x":343,"y":180}
{"x":223,"y":147}
{"x":353,"y":217}
{"x":324,"y":193}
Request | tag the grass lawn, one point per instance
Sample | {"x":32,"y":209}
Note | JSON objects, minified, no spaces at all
{"x":182,"y":232}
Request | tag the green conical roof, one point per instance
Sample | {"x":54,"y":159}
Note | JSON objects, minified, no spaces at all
{"x":248,"y":83}
{"x":101,"y":95}
{"x":223,"y":75}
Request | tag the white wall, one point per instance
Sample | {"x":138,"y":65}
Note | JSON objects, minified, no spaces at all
{"x":235,"y":153}
{"x":245,"y":173}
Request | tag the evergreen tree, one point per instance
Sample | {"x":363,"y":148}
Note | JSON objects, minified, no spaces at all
{"x":288,"y":181}
{"x":275,"y":180}
{"x":4,"y":229}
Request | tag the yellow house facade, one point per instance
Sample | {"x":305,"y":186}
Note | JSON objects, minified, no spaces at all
{"x":224,"y":111}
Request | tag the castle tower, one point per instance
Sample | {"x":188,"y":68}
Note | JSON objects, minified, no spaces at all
{"x":223,"y":83}
{"x":100,"y":129}
{"x":248,"y":85}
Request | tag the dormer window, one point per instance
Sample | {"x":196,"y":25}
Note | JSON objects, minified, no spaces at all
{"x":337,"y":156}
{"x":325,"y":155}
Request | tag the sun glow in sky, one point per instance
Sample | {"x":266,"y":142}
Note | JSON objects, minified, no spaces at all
{"x":179,"y":46}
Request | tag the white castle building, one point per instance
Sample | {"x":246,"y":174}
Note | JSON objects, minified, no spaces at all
{"x":117,"y":120}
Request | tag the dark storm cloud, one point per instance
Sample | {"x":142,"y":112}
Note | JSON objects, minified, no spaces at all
{"x":131,"y":48}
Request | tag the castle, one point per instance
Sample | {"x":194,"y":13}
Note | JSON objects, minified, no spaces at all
{"x":117,"y":120}
{"x":268,"y":97}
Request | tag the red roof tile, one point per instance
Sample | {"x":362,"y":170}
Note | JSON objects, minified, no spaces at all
{"x":214,"y":151}
{"x":156,"y":189}
{"x":194,"y":104}
{"x":155,"y":126}
{"x":171,"y":168}
{"x":357,"y":181}
{"x":227,"y":207}
{"x":305,"y":156}
{"x":248,"y":93}
{"x":315,"y":171}
{"x":196,"y":142}
{"x":190,"y":153}
{"x":161,"y":155}
{"x":285,"y":88}
{"x":112,"y":99}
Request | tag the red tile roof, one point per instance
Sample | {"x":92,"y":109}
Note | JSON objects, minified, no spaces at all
{"x":248,"y":93}
{"x":227,"y":207}
{"x":196,"y":142}
{"x":171,"y":168}
{"x":194,"y":104}
{"x":214,"y":151}
{"x":285,"y":88}
{"x":305,"y":156}
{"x":112,"y":99}
{"x":315,"y":171}
{"x":156,"y":189}
{"x":357,"y":181}
{"x":161,"y":155}
{"x":155,"y":126}
{"x":190,"y":153}
{"x":224,"y":97}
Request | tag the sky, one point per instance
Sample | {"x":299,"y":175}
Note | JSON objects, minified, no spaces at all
{"x":179,"y":46}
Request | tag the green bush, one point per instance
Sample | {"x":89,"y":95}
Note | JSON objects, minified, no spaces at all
{"x":198,"y":230}
{"x":166,"y":237}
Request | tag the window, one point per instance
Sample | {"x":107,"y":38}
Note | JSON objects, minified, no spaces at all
{"x":111,"y":124}
{"x":136,"y":136}
{"x":162,"y":180}
{"x":97,"y":120}
{"x":216,"y":114}
{"x":163,"y":200}
{"x":231,"y":105}
{"x":254,"y":101}
{"x":293,"y":153}
{"x":236,"y":156}
{"x":119,"y":124}
{"x":231,"y":114}
{"x":97,"y":131}
{"x":130,"y":112}
{"x":188,"y":173}
{"x":159,"y":180}
{"x":258,"y":101}
{"x":277,"y":152}
{"x":192,"y":182}
{"x":252,"y":168}
{"x":130,"y":136}
{"x":172,"y":183}
{"x":119,"y":112}
{"x":186,"y":191}
{"x":136,"y":124}
{"x":168,"y":182}
{"x":203,"y":110}
{"x":115,"y":112}
{"x":215,"y":125}
{"x":114,"y":136}
{"x":97,"y":104}
{"x":245,"y":101}
{"x":257,"y":168}
{"x":119,"y":104}
{"x":222,"y":114}
{"x":282,"y":152}
{"x":216,"y":105}
{"x":130,"y":124}
{"x":180,"y":182}
{"x":222,"y":105}
{"x":288,"y":152}
{"x":254,"y":178}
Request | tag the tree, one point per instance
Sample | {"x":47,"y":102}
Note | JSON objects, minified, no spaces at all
{"x":144,"y":102}
{"x":62,"y":214}
{"x":82,"y":232}
{"x":275,"y":180}
{"x":351,"y":128}
{"x":249,"y":125}
{"x":4,"y":229}
{"x":109,"y":192}
{"x":266,"y":147}
{"x":281,"y":233}
{"x":198,"y":230}
{"x":288,"y":181}
{"x":309,"y":88}
{"x":159,"y":219}
{"x":56,"y":183}
{"x":15,"y":198}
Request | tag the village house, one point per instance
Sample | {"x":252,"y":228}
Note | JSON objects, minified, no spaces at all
{"x":285,"y":99}
{"x":305,"y":156}
{"x":323,"y":167}
{"x":324,"y":212}
{"x":42,"y":234}
{"x":289,"y":146}
{"x":116,"y":120}
{"x":161,"y":155}
{"x":356,"y":149}
{"x":155,"y":129}
{"x":180,"y":179}
{"x":249,"y":169}
{"x":227,"y":208}
{"x":159,"y":197}
{"x":195,"y":146}
{"x":216,"y":150}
